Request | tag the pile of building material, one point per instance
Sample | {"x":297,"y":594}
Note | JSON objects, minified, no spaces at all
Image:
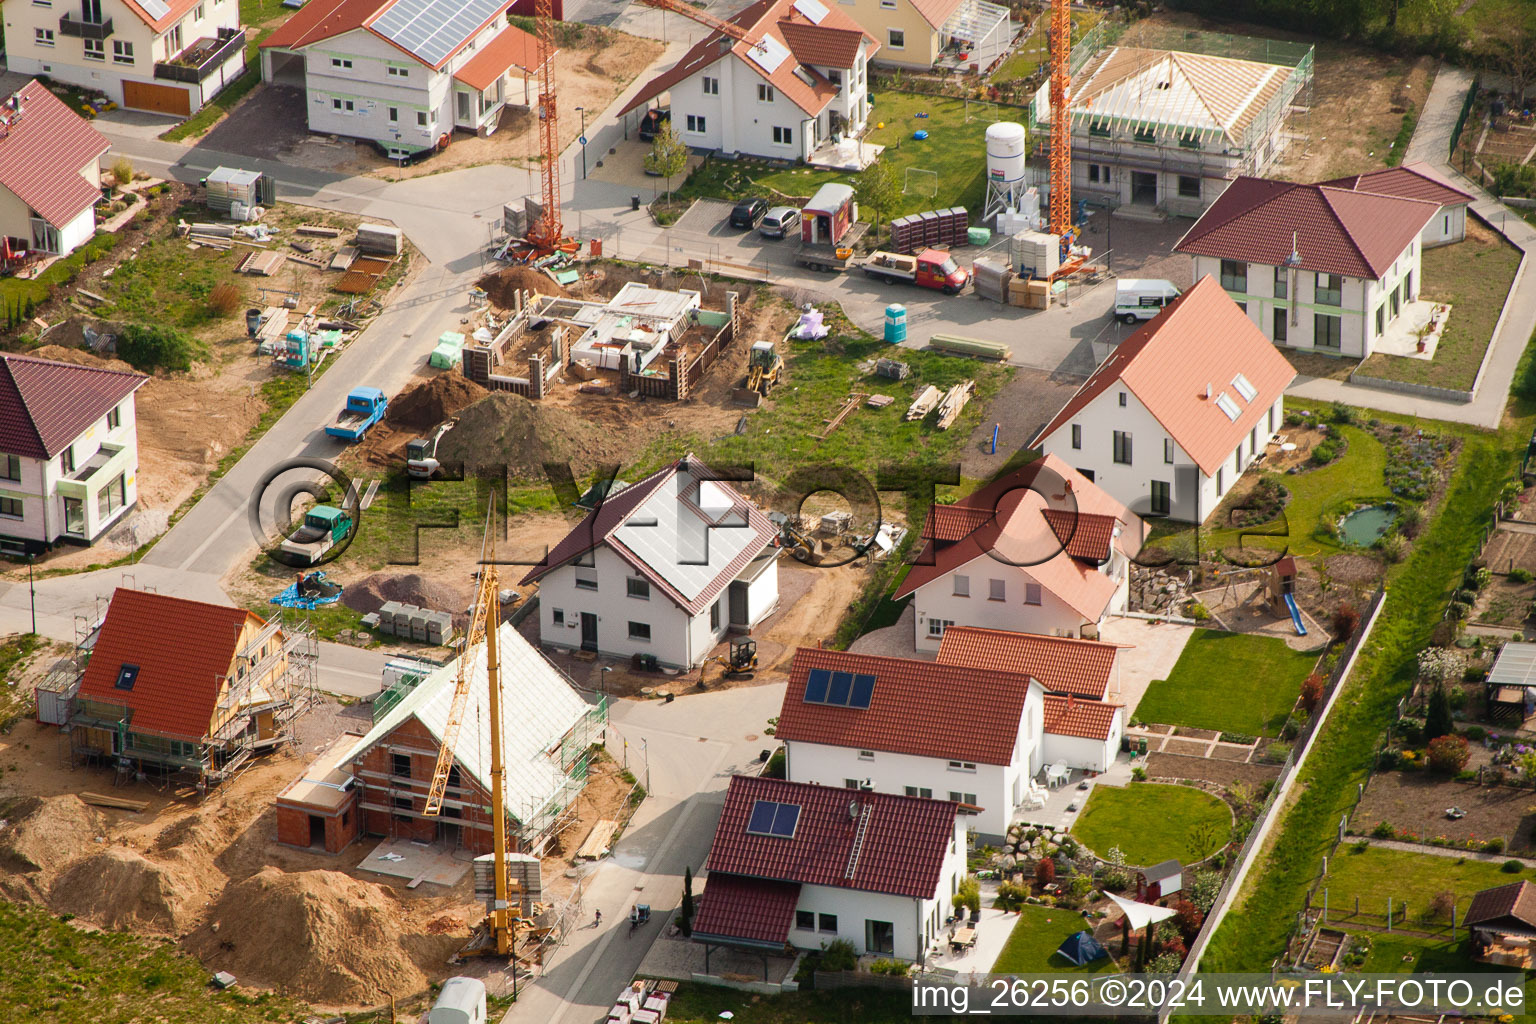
{"x":832,"y":424}
{"x":894,"y":369}
{"x":976,"y":347}
{"x":942,"y":228}
{"x":409,"y":622}
{"x":991,"y":280}
{"x":879,"y":401}
{"x":954,"y":403}
{"x":363,"y":275}
{"x":377,"y":239}
{"x":344,"y":258}
{"x":265,"y":262}
{"x":923,"y":404}
{"x":1035,"y":253}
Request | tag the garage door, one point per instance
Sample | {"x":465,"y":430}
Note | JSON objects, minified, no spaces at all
{"x":167,"y":99}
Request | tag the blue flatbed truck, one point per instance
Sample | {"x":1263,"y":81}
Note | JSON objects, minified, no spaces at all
{"x":364,"y":408}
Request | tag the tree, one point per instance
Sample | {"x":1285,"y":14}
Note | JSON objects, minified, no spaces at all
{"x":668,"y":155}
{"x":1346,"y":619}
{"x":1045,"y":871}
{"x":878,"y":189}
{"x":1514,"y":53}
{"x":1312,"y":691}
{"x":1448,"y":754}
{"x":685,"y":922}
{"x":1437,"y":719}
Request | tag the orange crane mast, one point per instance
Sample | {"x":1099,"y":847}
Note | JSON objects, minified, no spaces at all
{"x":1061,"y":119}
{"x":547,"y":234}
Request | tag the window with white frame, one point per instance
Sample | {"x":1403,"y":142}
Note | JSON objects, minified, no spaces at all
{"x":344,"y":106}
{"x":1077,"y":435}
{"x":557,"y":616}
{"x":783,"y":136}
{"x":10,"y":468}
{"x":896,"y":38}
{"x":962,"y":766}
{"x":639,"y":631}
{"x":199,"y":13}
{"x":764,"y":92}
{"x":1031,"y":593}
{"x":95,"y":49}
{"x":398,"y":71}
{"x":42,"y":36}
{"x":962,"y":585}
{"x":1168,"y":450}
{"x":637,"y":588}
{"x":919,"y":791}
{"x":711,"y":86}
{"x":936,"y":627}
{"x":11,"y":508}
{"x":997,"y":590}
{"x":122,"y":52}
{"x":866,"y":755}
{"x":341,"y":63}
{"x":1122,"y":447}
{"x":42,"y":3}
{"x":421,"y":118}
{"x":394,"y":115}
{"x":695,"y":124}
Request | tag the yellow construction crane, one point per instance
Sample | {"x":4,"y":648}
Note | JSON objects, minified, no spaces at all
{"x":484,"y":621}
{"x":1061,"y":123}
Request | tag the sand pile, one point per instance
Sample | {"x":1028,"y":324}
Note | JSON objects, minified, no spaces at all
{"x":121,"y":889}
{"x":501,"y":286}
{"x":41,"y":835}
{"x":321,"y":935}
{"x":429,"y":403}
{"x":504,"y":429}
{"x":369,"y":593}
{"x":80,"y":357}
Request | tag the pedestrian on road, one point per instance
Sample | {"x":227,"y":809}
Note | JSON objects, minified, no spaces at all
{"x":597,"y":919}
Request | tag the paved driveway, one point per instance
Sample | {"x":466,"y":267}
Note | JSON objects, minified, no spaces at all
{"x":1156,"y":648}
{"x":269,"y":123}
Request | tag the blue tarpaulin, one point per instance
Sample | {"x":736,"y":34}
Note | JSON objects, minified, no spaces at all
{"x":317,"y":593}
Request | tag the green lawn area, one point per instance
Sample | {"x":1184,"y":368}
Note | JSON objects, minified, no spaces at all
{"x":1473,"y":276}
{"x":165,"y":284}
{"x":16,"y":291}
{"x":1035,"y":50}
{"x":1032,"y":945}
{"x":954,"y":149}
{"x":1151,"y":822}
{"x":702,"y":1004}
{"x":1375,"y":875}
{"x":1233,"y":682}
{"x":1325,"y":492}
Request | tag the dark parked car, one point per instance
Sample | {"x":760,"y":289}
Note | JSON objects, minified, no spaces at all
{"x":748,"y":213}
{"x":650,"y":124}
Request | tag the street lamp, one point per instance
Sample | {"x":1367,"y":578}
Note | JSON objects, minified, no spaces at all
{"x":583,"y":112}
{"x":604,"y":680}
{"x":32,"y":592}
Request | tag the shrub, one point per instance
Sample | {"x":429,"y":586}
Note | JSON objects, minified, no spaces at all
{"x":1325,"y":451}
{"x":1482,"y":576}
{"x":1138,"y":774}
{"x":1440,"y":907}
{"x":968,"y":895}
{"x":1197,"y":611}
{"x":122,"y":171}
{"x":225,"y":298}
{"x":1448,"y":754}
{"x":895,"y":968}
{"x":1512,"y":867}
{"x":1361,"y":845}
{"x":1437,"y":720}
{"x":151,"y":348}
{"x":1475,"y":733}
{"x":1383,"y":830}
{"x":839,"y":955}
{"x":775,"y":767}
{"x":1010,"y":896}
{"x":1410,"y":521}
{"x":1312,"y":691}
{"x":1393,"y":548}
{"x":1341,"y":413}
{"x":1520,"y":576}
{"x":1204,"y":887}
{"x":1045,"y":871}
{"x":1494,"y":845}
{"x":1188,"y":918}
{"x":1165,"y":963}
{"x":1346,"y":619}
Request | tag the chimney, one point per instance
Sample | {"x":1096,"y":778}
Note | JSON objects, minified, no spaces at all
{"x":1207,"y":391}
{"x":1071,"y":702}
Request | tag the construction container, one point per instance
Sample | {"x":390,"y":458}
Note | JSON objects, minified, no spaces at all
{"x":462,"y":1001}
{"x":227,"y":186}
{"x":895,"y":324}
{"x":379,"y":240}
{"x":53,"y":704}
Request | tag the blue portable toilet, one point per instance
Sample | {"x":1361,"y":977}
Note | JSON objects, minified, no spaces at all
{"x":895,"y":324}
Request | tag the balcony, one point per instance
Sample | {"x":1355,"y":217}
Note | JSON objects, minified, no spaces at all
{"x":71,"y":25}
{"x":202,"y":58}
{"x":100,"y":468}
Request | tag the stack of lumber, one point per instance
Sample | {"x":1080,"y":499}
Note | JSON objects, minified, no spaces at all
{"x":879,"y":401}
{"x":954,"y":403}
{"x":923,"y":404}
{"x":977,"y":347}
{"x":318,"y":230}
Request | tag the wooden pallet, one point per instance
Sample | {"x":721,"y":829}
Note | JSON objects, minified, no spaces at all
{"x":309,"y":261}
{"x":832,"y":424}
{"x":318,"y":230}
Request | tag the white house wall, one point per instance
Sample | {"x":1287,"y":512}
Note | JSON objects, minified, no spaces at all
{"x":1083,"y":752}
{"x":670,"y":641}
{"x":937,"y":601}
{"x":1445,"y":227}
{"x":42,"y":519}
{"x":762,"y":594}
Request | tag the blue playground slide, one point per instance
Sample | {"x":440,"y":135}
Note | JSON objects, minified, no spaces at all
{"x":1290,"y":602}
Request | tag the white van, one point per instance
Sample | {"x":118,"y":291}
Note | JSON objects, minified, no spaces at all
{"x":1139,"y":298}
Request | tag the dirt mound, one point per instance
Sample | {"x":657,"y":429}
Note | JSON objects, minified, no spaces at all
{"x":122,"y":889}
{"x":504,"y":429}
{"x":1349,"y":568}
{"x":369,"y":593}
{"x":429,"y":403}
{"x":321,"y":935}
{"x":42,"y":834}
{"x":502,"y":286}
{"x":80,"y":357}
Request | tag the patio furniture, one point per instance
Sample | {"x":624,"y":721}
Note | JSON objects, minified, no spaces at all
{"x":965,"y":938}
{"x":1057,"y":774}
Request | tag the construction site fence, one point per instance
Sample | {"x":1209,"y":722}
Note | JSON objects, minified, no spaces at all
{"x":1154,"y":36}
{"x":1268,"y":813}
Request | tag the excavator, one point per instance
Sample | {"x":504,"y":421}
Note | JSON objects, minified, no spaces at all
{"x":421,"y":453}
{"x":764,"y":367}
{"x":739,"y":660}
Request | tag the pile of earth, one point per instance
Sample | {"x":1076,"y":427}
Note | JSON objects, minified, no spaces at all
{"x":40,"y":836}
{"x":370,"y":593}
{"x":508,"y":430}
{"x":323,"y":936}
{"x":423,"y":406}
{"x":502,"y":286}
{"x":120,"y":888}
{"x":80,"y":357}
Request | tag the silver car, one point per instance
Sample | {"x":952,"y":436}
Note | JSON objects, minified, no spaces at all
{"x":780,"y":222}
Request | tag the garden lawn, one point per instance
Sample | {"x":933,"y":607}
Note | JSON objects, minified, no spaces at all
{"x":702,"y":1004}
{"x":1151,"y":823}
{"x":955,"y":149}
{"x":1034,"y":51}
{"x":1232,"y":682}
{"x":1474,"y":276}
{"x":16,"y":291}
{"x":1376,"y":875}
{"x":1032,"y":946}
{"x":1428,"y":956}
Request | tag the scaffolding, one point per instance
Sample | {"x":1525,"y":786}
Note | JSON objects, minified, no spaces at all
{"x":573,"y":756}
{"x":1140,"y":124}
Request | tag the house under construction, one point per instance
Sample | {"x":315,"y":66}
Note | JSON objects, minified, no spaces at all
{"x":378,"y":784}
{"x":1167,"y":131}
{"x":178,"y":687}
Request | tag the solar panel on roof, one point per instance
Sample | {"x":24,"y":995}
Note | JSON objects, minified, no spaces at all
{"x":761,"y":821}
{"x":812,"y":9}
{"x":837,"y":692}
{"x":863,"y":691}
{"x":768,"y":54}
{"x":432,"y":29}
{"x":771,"y":818}
{"x":816,"y":686}
{"x":156,"y":9}
{"x":785,"y":819}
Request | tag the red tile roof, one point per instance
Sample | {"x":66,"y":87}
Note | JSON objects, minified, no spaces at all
{"x":1516,"y":900}
{"x":1074,"y":716}
{"x":1408,"y":181}
{"x":1201,"y":339}
{"x":746,"y":909}
{"x":921,"y":708}
{"x":905,"y":838}
{"x":935,"y":12}
{"x":510,"y":48}
{"x":1336,"y":231}
{"x":1084,"y":534}
{"x":176,"y":9}
{"x":183,"y":649}
{"x":43,"y":153}
{"x":45,"y":406}
{"x":319,"y":20}
{"x":954,"y":522}
{"x":600,"y":524}
{"x":1060,"y":664}
{"x":1018,"y":533}
{"x":828,"y":43}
